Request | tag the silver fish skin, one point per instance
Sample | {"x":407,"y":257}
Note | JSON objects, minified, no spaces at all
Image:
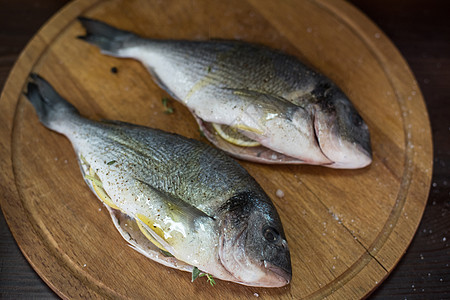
{"x":172,"y":193}
{"x":295,"y":113}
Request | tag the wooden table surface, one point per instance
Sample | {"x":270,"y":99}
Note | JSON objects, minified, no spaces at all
{"x":421,"y":34}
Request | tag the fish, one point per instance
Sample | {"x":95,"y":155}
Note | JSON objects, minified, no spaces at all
{"x":178,"y":201}
{"x":254,"y":102}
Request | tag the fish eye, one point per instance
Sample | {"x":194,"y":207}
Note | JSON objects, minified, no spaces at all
{"x":271,"y":234}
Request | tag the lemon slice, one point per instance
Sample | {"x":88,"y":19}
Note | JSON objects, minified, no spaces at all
{"x":98,"y":189}
{"x":233,"y":136}
{"x":146,"y":221}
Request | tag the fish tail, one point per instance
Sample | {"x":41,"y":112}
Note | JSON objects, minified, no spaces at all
{"x":108,"y":38}
{"x":51,"y":108}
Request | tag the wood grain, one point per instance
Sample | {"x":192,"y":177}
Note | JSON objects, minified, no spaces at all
{"x":346,"y":229}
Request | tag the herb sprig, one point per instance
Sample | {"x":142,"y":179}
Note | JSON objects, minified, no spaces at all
{"x":165,"y":102}
{"x":197,"y":273}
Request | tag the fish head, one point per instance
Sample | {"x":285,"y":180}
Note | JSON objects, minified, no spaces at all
{"x":253,"y":247}
{"x":341,"y":132}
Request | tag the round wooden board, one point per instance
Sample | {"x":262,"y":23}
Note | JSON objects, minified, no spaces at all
{"x":346,"y":229}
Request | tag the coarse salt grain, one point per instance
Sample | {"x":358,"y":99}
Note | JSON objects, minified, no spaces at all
{"x":280,"y":193}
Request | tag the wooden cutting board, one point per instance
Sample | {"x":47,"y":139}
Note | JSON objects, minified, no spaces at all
{"x":347,"y":229}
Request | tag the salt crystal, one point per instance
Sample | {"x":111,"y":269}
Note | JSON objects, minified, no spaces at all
{"x":280,"y":193}
{"x":84,"y":265}
{"x":256,"y":294}
{"x":444,"y":239}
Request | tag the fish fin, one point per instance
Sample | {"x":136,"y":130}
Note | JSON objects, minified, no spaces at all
{"x":257,"y":94}
{"x":108,"y":38}
{"x":111,"y":40}
{"x":177,"y":205}
{"x":273,"y":103}
{"x":49,"y":105}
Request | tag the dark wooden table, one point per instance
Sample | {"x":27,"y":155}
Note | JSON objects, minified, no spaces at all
{"x":421,"y":31}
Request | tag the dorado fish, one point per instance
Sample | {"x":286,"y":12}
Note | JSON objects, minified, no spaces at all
{"x":253,"y":102}
{"x":176,"y":200}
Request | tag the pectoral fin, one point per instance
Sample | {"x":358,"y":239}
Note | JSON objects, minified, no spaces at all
{"x":172,"y":221}
{"x":255,"y":94}
{"x":177,"y":208}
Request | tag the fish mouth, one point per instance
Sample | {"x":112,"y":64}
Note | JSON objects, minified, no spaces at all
{"x":274,"y":277}
{"x":344,"y":154}
{"x":247,"y":271}
{"x":277,"y":276}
